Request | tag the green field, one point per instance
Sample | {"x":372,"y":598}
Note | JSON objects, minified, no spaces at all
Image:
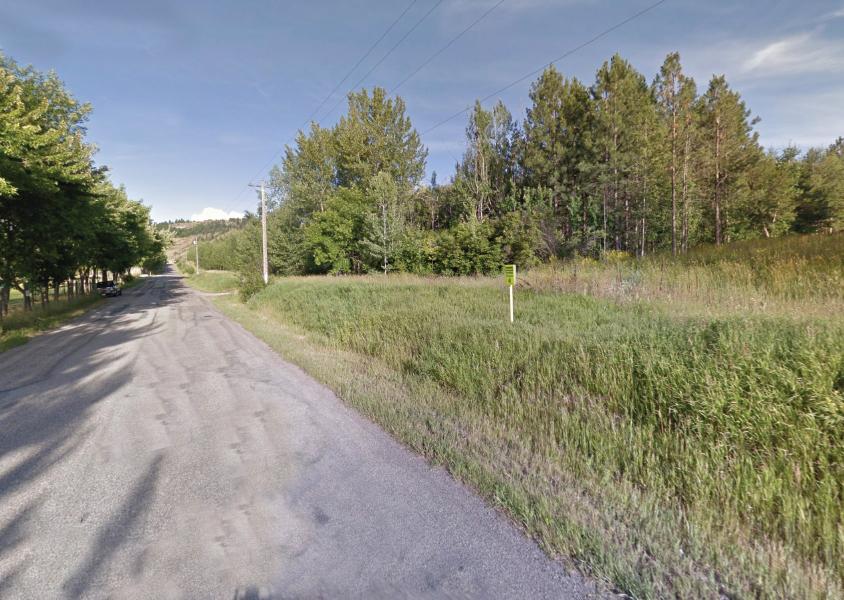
{"x":672,"y":427}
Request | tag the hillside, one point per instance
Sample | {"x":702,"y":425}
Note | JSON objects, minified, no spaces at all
{"x":670,"y":425}
{"x":184,"y":232}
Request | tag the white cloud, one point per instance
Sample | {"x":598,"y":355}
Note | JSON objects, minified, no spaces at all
{"x":802,"y":53}
{"x":215,"y":214}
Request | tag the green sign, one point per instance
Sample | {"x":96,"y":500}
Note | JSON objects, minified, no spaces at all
{"x":510,"y":274}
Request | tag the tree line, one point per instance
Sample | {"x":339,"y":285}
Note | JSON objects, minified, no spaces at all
{"x":618,"y":165}
{"x":63,"y":224}
{"x":182,"y":228}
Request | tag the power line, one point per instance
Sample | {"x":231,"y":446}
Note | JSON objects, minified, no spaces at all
{"x":389,"y":52}
{"x":446,"y":47}
{"x":336,"y":87}
{"x":592,"y":40}
{"x":362,"y":58}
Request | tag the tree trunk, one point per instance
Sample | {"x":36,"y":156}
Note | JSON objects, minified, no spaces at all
{"x":644,"y":212}
{"x":384,"y":221}
{"x":4,"y":299}
{"x":605,"y":219}
{"x":684,"y":243}
{"x":673,"y":180}
{"x":615,"y":189}
{"x":717,"y":194}
{"x":583,"y":225}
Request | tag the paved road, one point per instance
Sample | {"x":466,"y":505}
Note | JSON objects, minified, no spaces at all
{"x":154,"y":449}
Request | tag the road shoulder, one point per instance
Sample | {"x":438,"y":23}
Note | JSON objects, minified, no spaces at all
{"x":407,"y":409}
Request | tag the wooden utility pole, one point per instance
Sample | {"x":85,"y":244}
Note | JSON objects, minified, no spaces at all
{"x":264,"y":235}
{"x":265,"y":267}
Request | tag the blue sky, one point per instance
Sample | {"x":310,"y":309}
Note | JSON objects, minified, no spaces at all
{"x":191,"y":99}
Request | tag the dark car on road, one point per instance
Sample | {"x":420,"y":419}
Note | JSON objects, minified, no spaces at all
{"x":109,"y":289}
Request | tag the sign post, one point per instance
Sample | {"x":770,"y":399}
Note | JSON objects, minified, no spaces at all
{"x":510,"y":280}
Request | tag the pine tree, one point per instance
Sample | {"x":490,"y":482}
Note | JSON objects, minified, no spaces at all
{"x":675,"y":93}
{"x":729,"y":147}
{"x":558,"y":153}
{"x":821,"y":181}
{"x":626,"y":116}
{"x":765,"y":196}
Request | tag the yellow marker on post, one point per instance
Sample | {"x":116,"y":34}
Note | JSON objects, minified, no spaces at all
{"x":510,"y":280}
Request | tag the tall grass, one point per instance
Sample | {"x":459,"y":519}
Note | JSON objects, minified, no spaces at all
{"x":789,"y":275}
{"x":674,"y":448}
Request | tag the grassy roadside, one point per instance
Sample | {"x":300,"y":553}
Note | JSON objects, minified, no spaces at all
{"x":673,"y":430}
{"x":671,"y":457}
{"x":19,"y":326}
{"x":213,"y":281}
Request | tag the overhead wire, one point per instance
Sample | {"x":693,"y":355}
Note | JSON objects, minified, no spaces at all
{"x":336,"y":87}
{"x":447,"y":46}
{"x":359,"y":62}
{"x":389,"y":52}
{"x":432,"y":57}
{"x":568,"y":53}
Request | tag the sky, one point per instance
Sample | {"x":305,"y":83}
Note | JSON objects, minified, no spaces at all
{"x":193,"y":100}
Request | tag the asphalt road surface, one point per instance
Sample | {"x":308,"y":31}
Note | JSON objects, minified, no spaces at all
{"x":154,"y":449}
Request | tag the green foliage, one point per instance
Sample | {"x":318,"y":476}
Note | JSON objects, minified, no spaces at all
{"x":519,"y":237}
{"x":219,"y":254}
{"x":186,"y":267}
{"x":618,"y":166}
{"x":486,"y":175}
{"x":375,"y":135}
{"x":334,"y":236}
{"x":467,"y":249}
{"x":821,"y":183}
{"x":385,"y":223}
{"x":60,"y":218}
{"x":249,"y":283}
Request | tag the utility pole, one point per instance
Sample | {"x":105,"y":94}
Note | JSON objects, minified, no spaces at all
{"x":265,"y":264}
{"x":196,"y":248}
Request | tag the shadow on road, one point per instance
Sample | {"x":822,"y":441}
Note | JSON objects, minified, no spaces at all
{"x":48,"y":389}
{"x":115,"y":533}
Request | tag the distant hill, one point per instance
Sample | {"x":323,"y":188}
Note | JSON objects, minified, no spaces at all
{"x":184,"y":232}
{"x":201,"y":229}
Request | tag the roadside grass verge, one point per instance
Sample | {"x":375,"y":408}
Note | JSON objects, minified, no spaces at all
{"x":214,"y":281}
{"x":672,"y":456}
{"x":19,"y":326}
